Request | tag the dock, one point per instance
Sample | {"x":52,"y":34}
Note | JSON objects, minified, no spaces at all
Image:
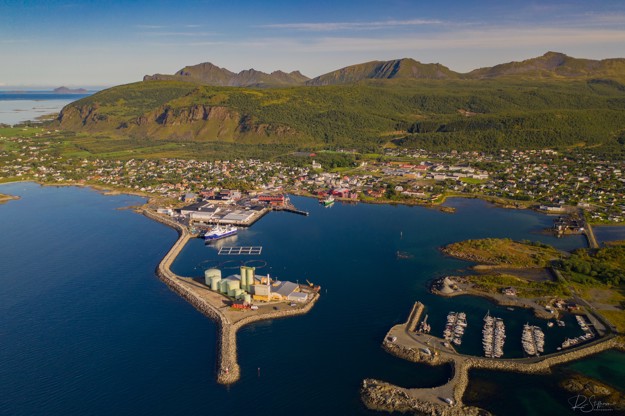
{"x":238,"y":251}
{"x":291,"y":209}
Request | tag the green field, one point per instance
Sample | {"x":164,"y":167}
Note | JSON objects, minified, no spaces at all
{"x":503,"y":252}
{"x":494,"y":283}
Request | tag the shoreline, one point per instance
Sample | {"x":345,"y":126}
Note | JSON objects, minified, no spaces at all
{"x":415,"y":347}
{"x":4,"y":198}
{"x":228,"y":369}
{"x":500,"y":300}
{"x":108,"y":190}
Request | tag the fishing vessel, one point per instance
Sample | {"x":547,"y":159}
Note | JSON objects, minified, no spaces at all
{"x":327,"y":201}
{"x":220,"y":232}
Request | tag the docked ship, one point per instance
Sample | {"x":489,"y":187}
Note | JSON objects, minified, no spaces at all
{"x":220,"y":232}
{"x":327,"y":201}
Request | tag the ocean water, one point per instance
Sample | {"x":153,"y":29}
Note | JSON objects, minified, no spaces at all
{"x":607,"y":233}
{"x":19,"y":107}
{"x":86,"y":327}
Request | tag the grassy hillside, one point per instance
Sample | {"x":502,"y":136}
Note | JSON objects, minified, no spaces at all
{"x":503,"y":252}
{"x":461,"y":114}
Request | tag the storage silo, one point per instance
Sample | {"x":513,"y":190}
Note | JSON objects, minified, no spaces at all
{"x":223,"y":288}
{"x":244,"y":281}
{"x":247,"y":277}
{"x":250,"y":275}
{"x":209,"y":273}
{"x":232,"y":285}
{"x":215,"y":283}
{"x":239,"y":293}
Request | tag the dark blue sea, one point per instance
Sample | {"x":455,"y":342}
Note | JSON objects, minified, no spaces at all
{"x":28,"y":106}
{"x":87,"y":329}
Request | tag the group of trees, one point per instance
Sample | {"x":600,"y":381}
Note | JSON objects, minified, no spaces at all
{"x":607,"y":265}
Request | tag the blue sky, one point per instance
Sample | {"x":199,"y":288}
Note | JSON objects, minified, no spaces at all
{"x":103,"y":43}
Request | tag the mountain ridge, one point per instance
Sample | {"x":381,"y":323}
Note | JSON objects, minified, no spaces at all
{"x":555,"y":65}
{"x":207,"y":73}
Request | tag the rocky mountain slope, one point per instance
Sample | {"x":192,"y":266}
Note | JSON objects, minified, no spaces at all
{"x":209,"y":74}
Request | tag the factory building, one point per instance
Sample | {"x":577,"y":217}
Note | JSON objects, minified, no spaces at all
{"x":247,"y":286}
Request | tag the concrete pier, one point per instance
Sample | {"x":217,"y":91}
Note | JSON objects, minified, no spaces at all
{"x":216,"y":306}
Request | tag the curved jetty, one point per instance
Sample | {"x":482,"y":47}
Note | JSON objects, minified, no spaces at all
{"x":403,"y":342}
{"x":217,"y":306}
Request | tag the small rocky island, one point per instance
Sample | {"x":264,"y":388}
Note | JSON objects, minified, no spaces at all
{"x":65,"y":90}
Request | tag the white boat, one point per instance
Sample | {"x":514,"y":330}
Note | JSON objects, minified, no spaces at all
{"x":220,"y":232}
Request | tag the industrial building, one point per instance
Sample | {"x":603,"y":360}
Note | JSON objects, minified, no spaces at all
{"x":211,"y":213}
{"x":247,"y":286}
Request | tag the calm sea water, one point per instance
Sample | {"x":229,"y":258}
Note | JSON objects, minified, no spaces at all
{"x":86,"y":328}
{"x":606,"y":233}
{"x":19,"y":107}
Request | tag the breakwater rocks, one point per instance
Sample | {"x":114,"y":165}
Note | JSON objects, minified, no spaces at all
{"x":415,"y":316}
{"x":378,"y":395}
{"x":228,"y":370}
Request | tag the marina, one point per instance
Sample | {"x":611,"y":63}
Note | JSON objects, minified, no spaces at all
{"x":454,"y":329}
{"x":533,"y":340}
{"x":588,"y":334}
{"x":494,"y":336}
{"x":446,"y":399}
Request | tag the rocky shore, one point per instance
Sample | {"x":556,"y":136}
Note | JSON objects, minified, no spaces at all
{"x":502,"y":300}
{"x":5,"y":198}
{"x":228,"y":370}
{"x":378,"y":395}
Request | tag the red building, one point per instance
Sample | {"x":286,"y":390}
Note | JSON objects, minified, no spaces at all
{"x":272,"y":199}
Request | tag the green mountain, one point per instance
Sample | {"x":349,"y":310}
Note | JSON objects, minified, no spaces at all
{"x":549,"y":101}
{"x":396,"y":69}
{"x":553,"y":65}
{"x":209,"y":74}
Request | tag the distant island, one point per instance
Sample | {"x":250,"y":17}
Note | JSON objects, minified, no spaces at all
{"x":65,"y":90}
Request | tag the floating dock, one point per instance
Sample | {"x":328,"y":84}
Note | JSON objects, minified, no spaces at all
{"x":238,"y":251}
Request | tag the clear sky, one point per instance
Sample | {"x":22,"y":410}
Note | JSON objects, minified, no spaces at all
{"x":105,"y":42}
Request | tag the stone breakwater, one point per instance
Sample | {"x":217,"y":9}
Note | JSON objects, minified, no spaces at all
{"x":385,"y":397}
{"x":228,"y":370}
{"x":415,"y":316}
